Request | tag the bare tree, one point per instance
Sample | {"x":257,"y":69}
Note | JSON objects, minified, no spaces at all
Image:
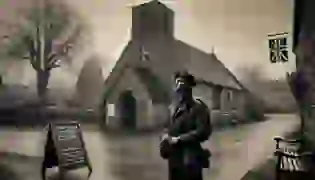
{"x":37,"y":38}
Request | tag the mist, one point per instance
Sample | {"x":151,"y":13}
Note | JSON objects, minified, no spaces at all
{"x":237,"y":30}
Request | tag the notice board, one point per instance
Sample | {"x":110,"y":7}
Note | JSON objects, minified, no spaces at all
{"x":65,"y":142}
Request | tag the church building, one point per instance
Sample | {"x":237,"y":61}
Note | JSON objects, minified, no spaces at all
{"x":138,"y":91}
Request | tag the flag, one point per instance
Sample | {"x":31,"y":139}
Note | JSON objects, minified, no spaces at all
{"x":278,"y":47}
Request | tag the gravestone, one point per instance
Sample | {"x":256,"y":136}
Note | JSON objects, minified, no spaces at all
{"x":65,"y":148}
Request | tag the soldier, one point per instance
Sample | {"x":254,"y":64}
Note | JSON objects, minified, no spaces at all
{"x":189,"y":127}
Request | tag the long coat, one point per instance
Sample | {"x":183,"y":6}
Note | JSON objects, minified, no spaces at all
{"x":192,"y":125}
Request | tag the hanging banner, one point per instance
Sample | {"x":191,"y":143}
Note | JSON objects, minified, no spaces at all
{"x":278,"y":48}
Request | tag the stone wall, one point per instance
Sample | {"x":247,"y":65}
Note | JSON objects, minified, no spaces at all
{"x":160,"y":115}
{"x":204,"y":93}
{"x":232,"y":108}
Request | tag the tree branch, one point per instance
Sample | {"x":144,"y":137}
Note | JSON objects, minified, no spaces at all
{"x":63,"y":50}
{"x":51,"y":57}
{"x":52,"y":62}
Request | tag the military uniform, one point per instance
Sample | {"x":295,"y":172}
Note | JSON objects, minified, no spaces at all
{"x":191,"y":123}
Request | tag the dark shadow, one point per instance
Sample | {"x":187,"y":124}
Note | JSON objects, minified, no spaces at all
{"x":6,"y":173}
{"x":68,"y":177}
{"x":262,"y":172}
{"x":127,"y":109}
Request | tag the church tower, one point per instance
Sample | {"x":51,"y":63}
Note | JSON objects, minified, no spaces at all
{"x":153,"y":40}
{"x":152,"y":19}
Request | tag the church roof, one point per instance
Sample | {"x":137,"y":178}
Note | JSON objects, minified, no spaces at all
{"x":156,"y":89}
{"x":205,"y":67}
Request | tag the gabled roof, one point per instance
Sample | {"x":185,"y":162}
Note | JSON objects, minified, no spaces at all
{"x":157,"y":91}
{"x":115,"y":74}
{"x":205,"y":67}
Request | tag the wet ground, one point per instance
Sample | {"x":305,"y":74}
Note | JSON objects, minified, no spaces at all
{"x":136,"y":157}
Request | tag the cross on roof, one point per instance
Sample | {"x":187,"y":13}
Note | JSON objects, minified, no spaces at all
{"x":144,"y":54}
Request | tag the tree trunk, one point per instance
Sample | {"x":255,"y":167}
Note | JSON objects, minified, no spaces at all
{"x":42,"y":82}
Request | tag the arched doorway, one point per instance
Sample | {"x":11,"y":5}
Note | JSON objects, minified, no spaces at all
{"x":127,"y":109}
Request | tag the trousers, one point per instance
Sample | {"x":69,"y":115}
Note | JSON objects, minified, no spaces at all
{"x":185,"y":173}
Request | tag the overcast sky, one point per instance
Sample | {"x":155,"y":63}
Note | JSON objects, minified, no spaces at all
{"x":237,"y":29}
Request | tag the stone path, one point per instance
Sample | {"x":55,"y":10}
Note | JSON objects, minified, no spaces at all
{"x":235,"y":151}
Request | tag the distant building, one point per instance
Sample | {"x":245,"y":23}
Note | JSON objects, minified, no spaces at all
{"x":138,"y":91}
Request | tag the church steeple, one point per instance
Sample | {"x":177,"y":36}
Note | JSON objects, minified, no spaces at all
{"x":152,"y":19}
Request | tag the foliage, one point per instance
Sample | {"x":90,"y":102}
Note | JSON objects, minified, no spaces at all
{"x":254,"y":109}
{"x":251,"y":77}
{"x":56,"y":19}
{"x":276,"y":94}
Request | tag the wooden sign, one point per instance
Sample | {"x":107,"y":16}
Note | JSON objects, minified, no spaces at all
{"x":65,"y":142}
{"x":278,"y":48}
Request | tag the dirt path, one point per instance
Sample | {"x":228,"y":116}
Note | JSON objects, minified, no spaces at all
{"x":239,"y":151}
{"x":235,"y":151}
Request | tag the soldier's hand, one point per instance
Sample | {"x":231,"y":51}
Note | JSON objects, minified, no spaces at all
{"x":173,"y":140}
{"x":164,"y":137}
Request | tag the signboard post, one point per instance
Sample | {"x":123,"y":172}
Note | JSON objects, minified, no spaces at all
{"x":65,"y":148}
